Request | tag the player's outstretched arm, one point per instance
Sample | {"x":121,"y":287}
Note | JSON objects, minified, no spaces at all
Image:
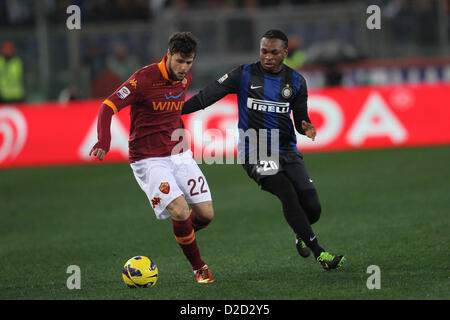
{"x":300,"y":112}
{"x":206,"y":97}
{"x":101,"y":148}
{"x":191,"y":105}
{"x":212,"y":93}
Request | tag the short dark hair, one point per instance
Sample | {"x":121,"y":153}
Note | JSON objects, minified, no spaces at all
{"x":184,"y":43}
{"x":276,"y":34}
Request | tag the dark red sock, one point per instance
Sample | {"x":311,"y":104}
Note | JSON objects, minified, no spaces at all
{"x":185,"y":236}
{"x":198,"y":224}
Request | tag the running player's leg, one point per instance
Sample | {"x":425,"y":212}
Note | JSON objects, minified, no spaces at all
{"x":295,"y":215}
{"x":309,"y":200}
{"x":184,"y":232}
{"x":202,"y":214}
{"x":194,"y":185}
{"x":307,"y":194}
{"x":155,"y":177}
{"x":185,"y":236}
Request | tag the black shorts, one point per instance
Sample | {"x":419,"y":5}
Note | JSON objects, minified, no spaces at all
{"x":290,"y":163}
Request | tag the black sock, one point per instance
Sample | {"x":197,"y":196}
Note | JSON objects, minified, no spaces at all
{"x":315,"y":247}
{"x":302,"y":228}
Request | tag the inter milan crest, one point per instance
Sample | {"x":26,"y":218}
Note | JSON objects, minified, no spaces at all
{"x":286,"y":92}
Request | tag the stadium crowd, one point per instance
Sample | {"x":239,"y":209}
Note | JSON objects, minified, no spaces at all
{"x":110,"y":56}
{"x":20,"y":12}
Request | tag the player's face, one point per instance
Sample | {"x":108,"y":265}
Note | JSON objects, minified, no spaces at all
{"x":178,"y":65}
{"x":272,"y":53}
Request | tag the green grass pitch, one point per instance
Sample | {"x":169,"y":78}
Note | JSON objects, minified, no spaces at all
{"x":388,"y":208}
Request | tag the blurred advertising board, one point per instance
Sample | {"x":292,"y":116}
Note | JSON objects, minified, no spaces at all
{"x":345,"y":119}
{"x":383,"y":72}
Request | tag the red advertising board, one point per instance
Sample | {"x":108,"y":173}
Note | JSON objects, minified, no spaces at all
{"x":345,"y":118}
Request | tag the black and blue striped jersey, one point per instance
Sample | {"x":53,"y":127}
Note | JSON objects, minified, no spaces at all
{"x":265,"y":101}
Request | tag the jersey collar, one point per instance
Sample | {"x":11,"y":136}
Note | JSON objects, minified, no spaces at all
{"x":163,"y":69}
{"x":270,"y":74}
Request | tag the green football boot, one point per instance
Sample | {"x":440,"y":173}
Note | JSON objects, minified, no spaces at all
{"x":329,"y":261}
{"x":302,"y":249}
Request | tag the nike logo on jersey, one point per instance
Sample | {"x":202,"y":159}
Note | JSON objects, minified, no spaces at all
{"x":254,"y":87}
{"x":269,"y":106}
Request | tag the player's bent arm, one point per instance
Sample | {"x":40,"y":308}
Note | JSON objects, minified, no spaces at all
{"x":300,"y":115}
{"x":300,"y":107}
{"x":127,"y":94}
{"x":105,"y":114}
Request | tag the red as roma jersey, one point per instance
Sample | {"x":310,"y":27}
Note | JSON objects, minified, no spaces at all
{"x":156,"y":103}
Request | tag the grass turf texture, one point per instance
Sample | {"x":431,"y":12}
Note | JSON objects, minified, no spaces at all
{"x":388,"y":208}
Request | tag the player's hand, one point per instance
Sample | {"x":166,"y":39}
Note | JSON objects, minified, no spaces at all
{"x":309,"y":129}
{"x":97,"y":152}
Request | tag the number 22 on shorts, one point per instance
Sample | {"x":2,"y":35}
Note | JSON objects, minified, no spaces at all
{"x":197,"y":190}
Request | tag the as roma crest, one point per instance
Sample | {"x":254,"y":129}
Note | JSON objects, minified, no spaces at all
{"x":164,"y":187}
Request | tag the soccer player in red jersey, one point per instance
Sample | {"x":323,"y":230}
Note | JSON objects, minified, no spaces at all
{"x":163,"y":167}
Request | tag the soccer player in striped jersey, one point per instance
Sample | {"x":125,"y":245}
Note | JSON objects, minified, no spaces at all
{"x":267,"y":92}
{"x":167,"y":174}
